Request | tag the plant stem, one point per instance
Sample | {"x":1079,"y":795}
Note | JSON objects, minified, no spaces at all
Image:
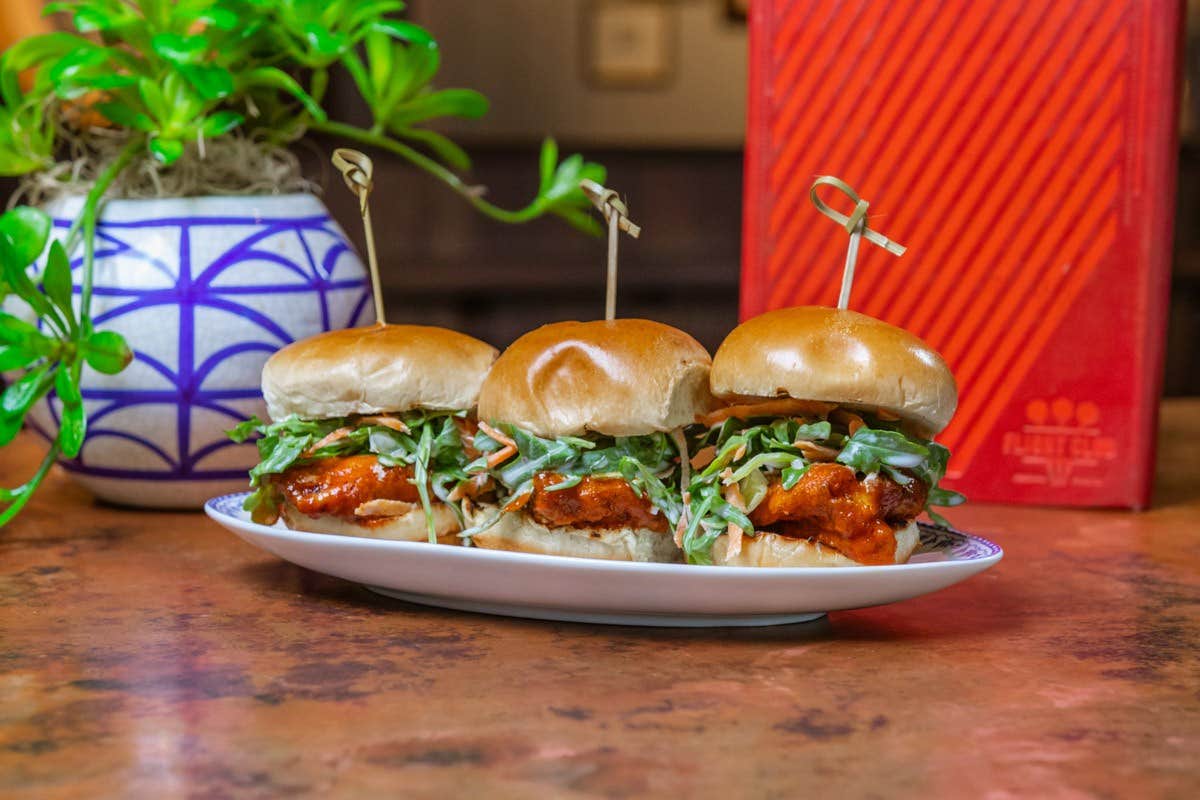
{"x":470,"y":193}
{"x":28,"y":489}
{"x":320,"y":82}
{"x":73,"y":232}
{"x":91,"y":210}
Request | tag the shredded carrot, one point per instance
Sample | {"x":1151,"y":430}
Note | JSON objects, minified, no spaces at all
{"x":815,"y":452}
{"x":685,"y":464}
{"x":384,"y":508}
{"x":783,"y":407}
{"x":520,"y":501}
{"x":704,"y":456}
{"x":469,"y":488}
{"x":328,"y":439}
{"x":848,"y":418}
{"x":737,"y":454}
{"x":500,"y":456}
{"x":499,"y":436}
{"x":883,"y":413}
{"x":681,"y":528}
{"x":386,"y":422}
{"x":735,"y":541}
{"x":466,"y":434}
{"x":733,"y":494}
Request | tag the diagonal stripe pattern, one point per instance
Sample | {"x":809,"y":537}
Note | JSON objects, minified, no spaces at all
{"x":992,"y":138}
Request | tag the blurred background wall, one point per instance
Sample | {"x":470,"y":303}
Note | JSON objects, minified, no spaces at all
{"x":658,"y":97}
{"x":655,"y":90}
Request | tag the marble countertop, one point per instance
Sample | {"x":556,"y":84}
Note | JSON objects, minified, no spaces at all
{"x":155,"y":655}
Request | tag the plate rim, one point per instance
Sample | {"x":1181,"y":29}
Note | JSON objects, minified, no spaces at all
{"x":532,"y":559}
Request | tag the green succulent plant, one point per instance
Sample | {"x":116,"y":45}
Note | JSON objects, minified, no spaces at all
{"x":165,"y":73}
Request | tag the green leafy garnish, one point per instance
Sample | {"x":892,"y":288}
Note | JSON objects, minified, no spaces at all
{"x":432,"y":446}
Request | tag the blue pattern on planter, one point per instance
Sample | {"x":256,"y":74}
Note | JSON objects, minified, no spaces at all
{"x":226,"y":330}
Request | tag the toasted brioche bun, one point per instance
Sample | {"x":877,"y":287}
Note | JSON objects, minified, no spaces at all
{"x":624,"y":377}
{"x":375,"y":370}
{"x":771,"y":550}
{"x":836,"y":356}
{"x":515,"y":531}
{"x":407,"y":528}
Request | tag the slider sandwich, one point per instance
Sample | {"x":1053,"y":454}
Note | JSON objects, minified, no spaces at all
{"x":371,"y":433}
{"x":823,"y":453}
{"x":581,"y":427}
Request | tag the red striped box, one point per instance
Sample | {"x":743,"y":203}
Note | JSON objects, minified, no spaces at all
{"x":1025,"y":153}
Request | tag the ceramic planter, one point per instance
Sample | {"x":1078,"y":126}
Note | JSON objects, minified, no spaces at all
{"x":204,"y":290}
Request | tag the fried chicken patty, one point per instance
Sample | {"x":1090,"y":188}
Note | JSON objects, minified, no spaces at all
{"x":337,"y":486}
{"x":832,"y":506}
{"x":592,"y":503}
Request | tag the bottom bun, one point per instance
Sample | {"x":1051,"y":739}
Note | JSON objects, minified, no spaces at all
{"x":772,"y":550}
{"x":517,"y":532}
{"x":408,"y":527}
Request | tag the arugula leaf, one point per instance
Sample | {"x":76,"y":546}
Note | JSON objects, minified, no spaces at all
{"x":869,"y":450}
{"x":421,"y":478}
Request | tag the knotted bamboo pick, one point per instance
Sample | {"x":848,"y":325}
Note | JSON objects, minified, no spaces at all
{"x":358,"y":171}
{"x":616,"y":214}
{"x":855,"y":225}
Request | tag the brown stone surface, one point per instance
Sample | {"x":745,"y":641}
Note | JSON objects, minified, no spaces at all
{"x":155,"y":655}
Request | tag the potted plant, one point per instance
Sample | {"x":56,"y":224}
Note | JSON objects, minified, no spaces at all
{"x":170,"y":242}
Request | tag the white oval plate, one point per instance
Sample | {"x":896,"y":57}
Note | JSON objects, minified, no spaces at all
{"x":613,"y":592}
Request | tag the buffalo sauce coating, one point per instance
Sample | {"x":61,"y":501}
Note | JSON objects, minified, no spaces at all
{"x":593,"y":503}
{"x":830,"y":505}
{"x":337,"y":486}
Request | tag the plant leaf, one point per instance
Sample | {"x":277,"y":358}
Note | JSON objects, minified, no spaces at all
{"x":27,"y":229}
{"x":405,"y":31}
{"x":19,"y":333}
{"x":179,"y":49}
{"x":72,"y":428}
{"x":106,"y":352}
{"x":446,"y":150}
{"x":57,"y":282}
{"x":211,"y":81}
{"x":16,"y":358}
{"x":166,"y":150}
{"x":125,"y":116}
{"x":73,"y":422}
{"x":274,"y":78}
{"x":13,"y":270}
{"x":323,"y":41}
{"x":25,"y":391}
{"x":10,"y":426}
{"x":547,"y":164}
{"x":465,"y":103}
{"x":221,"y":123}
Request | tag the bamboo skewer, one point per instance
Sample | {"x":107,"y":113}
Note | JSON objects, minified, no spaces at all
{"x":616,"y":214}
{"x":856,"y":225}
{"x":358,"y":171}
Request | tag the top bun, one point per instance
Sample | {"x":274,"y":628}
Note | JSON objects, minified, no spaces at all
{"x":836,"y":356}
{"x":624,"y":377}
{"x":376,"y":370}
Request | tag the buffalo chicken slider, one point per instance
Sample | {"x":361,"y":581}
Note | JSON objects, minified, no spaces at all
{"x":823,"y":453}
{"x":371,"y":432}
{"x":582,"y":425}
